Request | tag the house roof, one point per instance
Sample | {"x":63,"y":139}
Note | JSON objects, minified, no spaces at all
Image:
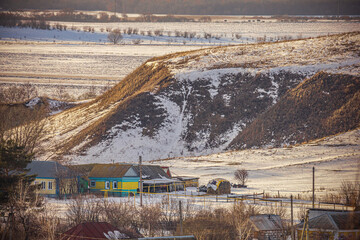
{"x":47,"y":169}
{"x":109,"y":170}
{"x":91,"y":231}
{"x":151,"y":172}
{"x":335,"y":221}
{"x":266,"y":222}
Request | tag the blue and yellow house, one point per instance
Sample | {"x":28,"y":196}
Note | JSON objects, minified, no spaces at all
{"x":55,"y":180}
{"x":114,"y":179}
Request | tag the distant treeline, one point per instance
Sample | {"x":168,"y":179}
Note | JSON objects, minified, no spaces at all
{"x":12,"y":18}
{"x":198,"y":7}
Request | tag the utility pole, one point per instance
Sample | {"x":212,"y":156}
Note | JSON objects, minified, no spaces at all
{"x":115,"y":9}
{"x":313,"y":198}
{"x":181,"y":219}
{"x":292,"y":219}
{"x":141,"y":184}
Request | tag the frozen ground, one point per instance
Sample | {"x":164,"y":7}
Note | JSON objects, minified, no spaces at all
{"x":279,"y":170}
{"x":288,"y":170}
{"x":76,"y":67}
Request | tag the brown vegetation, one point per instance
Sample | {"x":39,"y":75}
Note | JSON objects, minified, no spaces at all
{"x":320,"y":106}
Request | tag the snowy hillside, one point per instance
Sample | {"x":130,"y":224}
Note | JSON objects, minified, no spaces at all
{"x":194,"y":103}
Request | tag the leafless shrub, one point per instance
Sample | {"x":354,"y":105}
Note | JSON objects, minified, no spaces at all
{"x":158,"y":32}
{"x":351,"y":193}
{"x":115,"y":36}
{"x":207,"y":35}
{"x":84,"y":209}
{"x":301,"y":213}
{"x":50,"y":224}
{"x":136,"y":41}
{"x":19,"y":93}
{"x":123,"y":215}
{"x":149,"y":219}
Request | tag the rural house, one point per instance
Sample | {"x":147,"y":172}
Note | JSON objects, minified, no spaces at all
{"x":114,"y":179}
{"x":55,"y":179}
{"x":267,"y":226}
{"x":332,"y":225}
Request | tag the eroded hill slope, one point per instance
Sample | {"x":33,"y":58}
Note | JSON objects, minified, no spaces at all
{"x":197,"y":102}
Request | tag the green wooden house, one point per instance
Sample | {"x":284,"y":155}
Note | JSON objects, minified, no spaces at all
{"x":114,"y":180}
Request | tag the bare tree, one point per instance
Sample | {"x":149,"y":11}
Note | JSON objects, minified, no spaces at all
{"x":115,"y":36}
{"x":25,"y":204}
{"x":24,"y":127}
{"x":17,"y":93}
{"x":351,"y":193}
{"x":241,"y":175}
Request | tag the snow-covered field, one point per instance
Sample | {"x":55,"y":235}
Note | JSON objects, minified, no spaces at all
{"x":76,"y":67}
{"x":78,"y":60}
{"x":279,"y":170}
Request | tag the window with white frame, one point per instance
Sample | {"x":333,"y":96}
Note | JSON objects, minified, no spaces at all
{"x":92,"y":183}
{"x":50,"y":185}
{"x":115,"y":184}
{"x":43,"y":185}
{"x":107,"y":185}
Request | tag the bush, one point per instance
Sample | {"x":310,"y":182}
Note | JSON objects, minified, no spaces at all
{"x":115,"y":36}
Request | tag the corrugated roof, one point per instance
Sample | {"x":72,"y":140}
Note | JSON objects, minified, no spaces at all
{"x":109,"y":170}
{"x":266,"y":222}
{"x":89,"y":231}
{"x":47,"y":169}
{"x":151,"y":171}
{"x":347,"y":221}
{"x":335,"y":221}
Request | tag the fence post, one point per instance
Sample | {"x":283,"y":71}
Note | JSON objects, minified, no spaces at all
{"x":254,"y":198}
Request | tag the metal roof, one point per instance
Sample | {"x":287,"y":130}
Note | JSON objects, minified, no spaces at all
{"x":335,"y":221}
{"x":266,"y":222}
{"x":109,"y":170}
{"x":151,"y":171}
{"x":47,"y":169}
{"x":89,"y":231}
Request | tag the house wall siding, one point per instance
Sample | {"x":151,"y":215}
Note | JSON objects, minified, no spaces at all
{"x":46,"y":191}
{"x":125,"y":185}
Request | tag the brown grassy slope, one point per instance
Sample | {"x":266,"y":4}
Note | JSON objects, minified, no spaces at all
{"x":323,"y":105}
{"x":146,"y":78}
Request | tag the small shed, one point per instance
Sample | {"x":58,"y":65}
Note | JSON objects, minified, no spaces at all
{"x":189,"y":181}
{"x":93,"y":230}
{"x":219,"y":186}
{"x":267,"y":226}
